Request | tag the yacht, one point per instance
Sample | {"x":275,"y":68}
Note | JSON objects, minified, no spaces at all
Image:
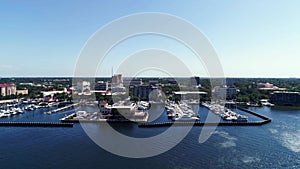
{"x":265,"y":102}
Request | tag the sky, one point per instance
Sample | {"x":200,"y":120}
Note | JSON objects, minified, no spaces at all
{"x":252,"y":38}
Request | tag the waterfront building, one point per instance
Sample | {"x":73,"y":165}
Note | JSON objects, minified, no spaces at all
{"x":126,"y":111}
{"x":285,"y":98}
{"x":143,"y":91}
{"x":8,"y":89}
{"x":101,"y":85}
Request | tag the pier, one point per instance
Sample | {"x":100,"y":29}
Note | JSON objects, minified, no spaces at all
{"x":62,"y":108}
{"x":264,"y":120}
{"x":35,"y":124}
{"x":70,"y":119}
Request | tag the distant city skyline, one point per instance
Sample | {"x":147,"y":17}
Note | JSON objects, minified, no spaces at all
{"x":252,"y":38}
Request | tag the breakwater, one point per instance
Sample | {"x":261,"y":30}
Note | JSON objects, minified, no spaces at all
{"x":255,"y":114}
{"x":35,"y":124}
{"x":164,"y":124}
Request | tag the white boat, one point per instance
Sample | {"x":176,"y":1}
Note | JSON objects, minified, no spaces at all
{"x":241,"y":118}
{"x":6,"y":114}
{"x":265,"y":102}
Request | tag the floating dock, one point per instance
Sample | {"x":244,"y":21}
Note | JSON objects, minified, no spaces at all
{"x":69,"y":119}
{"x":265,"y":120}
{"x":62,"y":108}
{"x":35,"y":124}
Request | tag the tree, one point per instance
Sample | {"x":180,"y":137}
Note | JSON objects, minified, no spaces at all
{"x":243,"y":99}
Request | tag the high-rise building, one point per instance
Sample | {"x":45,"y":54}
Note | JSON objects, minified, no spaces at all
{"x":83,"y":86}
{"x":117,"y":80}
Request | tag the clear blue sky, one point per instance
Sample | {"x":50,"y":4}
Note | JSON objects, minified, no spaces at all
{"x":253,"y":38}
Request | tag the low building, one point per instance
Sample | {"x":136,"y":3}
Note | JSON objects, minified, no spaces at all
{"x":264,"y":85}
{"x":22,"y":92}
{"x":8,"y":89}
{"x":268,"y":86}
{"x":126,"y":111}
{"x":283,"y":98}
{"x":26,"y":84}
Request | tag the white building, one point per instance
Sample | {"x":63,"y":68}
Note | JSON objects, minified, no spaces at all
{"x":83,"y":86}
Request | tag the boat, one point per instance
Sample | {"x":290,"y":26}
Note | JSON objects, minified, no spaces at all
{"x":43,"y":105}
{"x":265,"y":102}
{"x":225,"y":113}
{"x":181,"y":112}
{"x":6,"y":114}
{"x":30,"y":107}
{"x":241,"y":118}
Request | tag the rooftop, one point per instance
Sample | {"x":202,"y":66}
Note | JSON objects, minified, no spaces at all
{"x":190,"y":92}
{"x":7,"y":85}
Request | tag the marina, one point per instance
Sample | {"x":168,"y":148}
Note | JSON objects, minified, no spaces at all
{"x":119,"y":112}
{"x":180,"y":111}
{"x":224,"y":112}
{"x":180,"y":114}
{"x":16,"y":107}
{"x":224,"y":122}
